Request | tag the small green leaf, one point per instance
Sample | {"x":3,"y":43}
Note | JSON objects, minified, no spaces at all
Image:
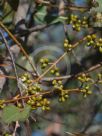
{"x":12,"y":113}
{"x":40,"y":15}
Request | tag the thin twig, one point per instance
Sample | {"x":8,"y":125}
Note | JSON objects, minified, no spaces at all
{"x":20,"y":46}
{"x":14,"y":66}
{"x":59,"y":59}
{"x":41,"y":76}
{"x":18,"y":65}
{"x":12,"y":60}
{"x":93,"y":68}
{"x":6,"y":76}
{"x":16,"y":127}
{"x":75,"y":90}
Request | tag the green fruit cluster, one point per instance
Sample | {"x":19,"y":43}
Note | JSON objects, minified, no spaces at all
{"x":38,"y":101}
{"x":77,"y":23}
{"x":63,"y":96}
{"x":33,"y":89}
{"x":44,"y":62}
{"x":57,"y":84}
{"x":86,"y":91}
{"x":2,"y":105}
{"x":45,"y":104}
{"x":25,"y":78}
{"x":67,"y":46}
{"x":99,"y":78}
{"x":86,"y":82}
{"x":92,"y":40}
{"x":55,"y":71}
{"x":84,"y":78}
{"x":99,"y":44}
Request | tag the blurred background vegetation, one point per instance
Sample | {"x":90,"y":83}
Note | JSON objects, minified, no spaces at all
{"x":75,"y":113}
